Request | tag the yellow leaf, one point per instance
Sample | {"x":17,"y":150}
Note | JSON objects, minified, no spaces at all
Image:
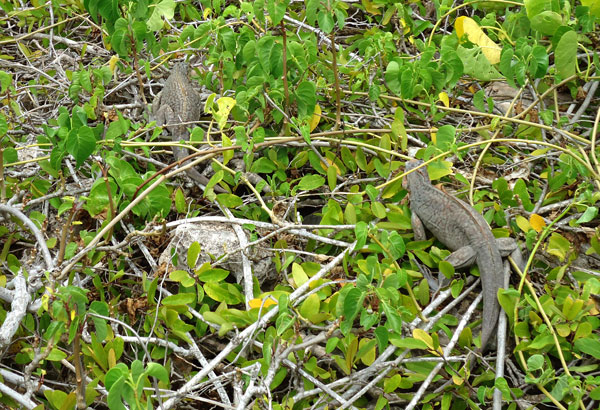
{"x":466,"y":25}
{"x":24,"y":49}
{"x":593,"y":310}
{"x":534,"y":318}
{"x":226,"y":142}
{"x":112,"y":63}
{"x":594,"y":6}
{"x":300,"y":277}
{"x":563,"y":330}
{"x":207,"y":13}
{"x":330,"y":164}
{"x":558,"y":246}
{"x":406,"y":30}
{"x":316,"y":118}
{"x":523,"y":223}
{"x":36,"y":54}
{"x":112,"y":358}
{"x":45,"y":301}
{"x":444,"y":99}
{"x":371,"y":7}
{"x":423,"y":336}
{"x":457,"y":379}
{"x":257,"y":303}
{"x":225,"y":105}
{"x":537,"y":222}
{"x":369,"y":357}
{"x":538,"y":152}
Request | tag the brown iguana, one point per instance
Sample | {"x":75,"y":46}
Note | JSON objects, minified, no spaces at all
{"x":175,"y":106}
{"x":464,"y":231}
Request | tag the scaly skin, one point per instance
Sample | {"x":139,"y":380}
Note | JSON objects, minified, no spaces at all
{"x":457,"y":225}
{"x":179,"y":103}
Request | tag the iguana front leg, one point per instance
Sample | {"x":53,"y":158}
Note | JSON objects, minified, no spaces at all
{"x":466,"y":255}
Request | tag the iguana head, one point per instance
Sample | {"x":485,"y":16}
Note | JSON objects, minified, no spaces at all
{"x":418,"y":176}
{"x":181,"y":68}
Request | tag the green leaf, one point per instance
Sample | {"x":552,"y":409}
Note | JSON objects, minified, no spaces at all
{"x":56,"y":355}
{"x":220,"y":292}
{"x":5,"y":81}
{"x":590,"y":213}
{"x":310,"y":182}
{"x":541,"y":61}
{"x":409,"y":343}
{"x":81,"y":143}
{"x":182,"y":277}
{"x":546,"y":22}
{"x":193,"y":253}
{"x":100,"y":324}
{"x":229,"y":200}
{"x":332,"y":177}
{"x":520,"y":189}
{"x":213,"y":275}
{"x":214,"y":318}
{"x":590,"y":346}
{"x":158,"y":371}
{"x":180,"y":203}
{"x":158,"y":202}
{"x":311,"y":7}
{"x":165,"y":9}
{"x":263,"y":165}
{"x":85,"y":81}
{"x":360,"y":231}
{"x":270,"y":56}
{"x":439,"y":169}
{"x":310,"y":307}
{"x":476,"y":64}
{"x":306,"y":95}
{"x":445,"y":137}
{"x":58,"y":399}
{"x":535,"y":362}
{"x":325,"y":20}
{"x":3,"y":125}
{"x":283,"y":323}
{"x":120,"y":42}
{"x":506,"y":65}
{"x":114,"y":374}
{"x":408,"y":82}
{"x":331,"y":344}
{"x":115,"y":393}
{"x":10,"y":154}
{"x":565,"y":55}
{"x":392,"y":76}
{"x":179,"y":299}
{"x":378,"y":210}
{"x":276,"y":9}
{"x":353,"y":304}
{"x":98,"y":199}
{"x":396,"y":245}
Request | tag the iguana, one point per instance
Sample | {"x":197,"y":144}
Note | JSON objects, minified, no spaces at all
{"x":464,"y":231}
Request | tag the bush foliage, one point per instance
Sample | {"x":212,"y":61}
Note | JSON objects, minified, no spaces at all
{"x":311,"y":110}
